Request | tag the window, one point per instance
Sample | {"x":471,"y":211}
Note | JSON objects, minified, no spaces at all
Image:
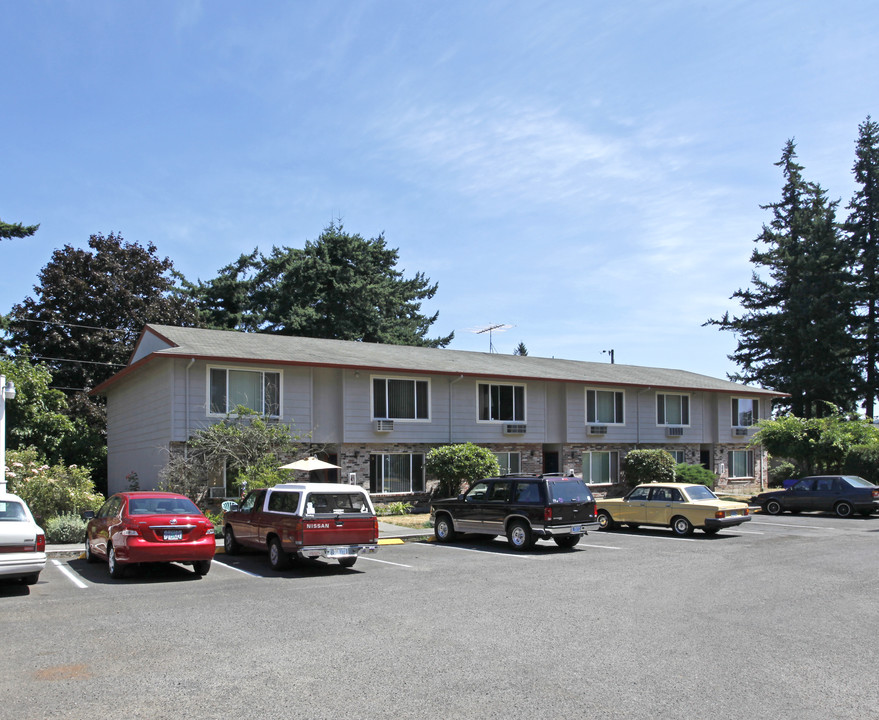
{"x":600,"y":467}
{"x":500,"y":492}
{"x":672,"y":409}
{"x":605,"y":407}
{"x":510,"y":462}
{"x":396,"y":473}
{"x":400,"y":399}
{"x":741,"y":463}
{"x":280,"y":501}
{"x":501,"y":402}
{"x":678,"y":455}
{"x":254,"y":389}
{"x":745,"y":412}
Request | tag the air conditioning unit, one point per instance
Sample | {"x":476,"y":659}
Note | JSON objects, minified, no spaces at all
{"x":740,"y":431}
{"x":384,"y":425}
{"x":218,"y":492}
{"x":517,"y":429}
{"x":598,"y":429}
{"x":674,"y":431}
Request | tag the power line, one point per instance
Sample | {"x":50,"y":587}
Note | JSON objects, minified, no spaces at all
{"x":61,"y":324}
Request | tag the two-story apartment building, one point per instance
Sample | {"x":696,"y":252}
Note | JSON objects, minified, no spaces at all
{"x":377,"y":410}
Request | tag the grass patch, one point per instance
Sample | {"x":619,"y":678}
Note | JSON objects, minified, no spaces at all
{"x":415,"y":520}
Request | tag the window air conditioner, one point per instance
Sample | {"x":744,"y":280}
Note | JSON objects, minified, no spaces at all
{"x":217,"y":492}
{"x":384,"y":425}
{"x":674,"y":431}
{"x":598,"y":429}
{"x":518,"y":429}
{"x":740,"y":431}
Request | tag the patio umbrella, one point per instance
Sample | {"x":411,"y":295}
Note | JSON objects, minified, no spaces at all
{"x":309,"y":464}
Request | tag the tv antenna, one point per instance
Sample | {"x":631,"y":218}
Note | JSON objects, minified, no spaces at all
{"x":498,"y":327}
{"x":609,"y":352}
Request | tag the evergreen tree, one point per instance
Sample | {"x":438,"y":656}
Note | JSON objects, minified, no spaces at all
{"x":520,"y":349}
{"x":863,"y":233}
{"x":796,"y":332}
{"x":16,"y":230}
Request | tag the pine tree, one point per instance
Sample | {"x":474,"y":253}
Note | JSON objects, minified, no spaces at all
{"x":796,"y":332}
{"x":862,"y":228}
{"x":16,"y":230}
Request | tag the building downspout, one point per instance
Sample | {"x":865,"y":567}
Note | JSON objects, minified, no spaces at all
{"x":452,"y":382}
{"x":186,"y":412}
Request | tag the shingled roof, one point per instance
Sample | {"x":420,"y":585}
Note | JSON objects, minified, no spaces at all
{"x":260,"y":348}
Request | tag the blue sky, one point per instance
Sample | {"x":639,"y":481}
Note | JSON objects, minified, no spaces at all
{"x":587,"y":173}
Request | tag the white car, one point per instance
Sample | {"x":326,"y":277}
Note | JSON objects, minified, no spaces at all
{"x":22,"y":541}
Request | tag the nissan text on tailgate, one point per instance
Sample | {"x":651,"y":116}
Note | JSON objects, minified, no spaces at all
{"x":303,"y":520}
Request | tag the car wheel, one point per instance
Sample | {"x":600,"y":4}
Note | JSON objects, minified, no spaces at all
{"x":681,"y":526}
{"x":519,"y":536}
{"x":278,"y":559}
{"x":116,"y":568}
{"x":230,"y":544}
{"x":30,"y":579}
{"x":348,"y":561}
{"x":773,"y":507}
{"x":843,"y":509}
{"x":89,"y":555}
{"x":567,"y":541}
{"x":443,"y":530}
{"x":711,"y":531}
{"x":605,"y":521}
{"x":201,"y":567}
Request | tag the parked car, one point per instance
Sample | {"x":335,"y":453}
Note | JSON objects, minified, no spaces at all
{"x":842,"y":494}
{"x":149,"y":527}
{"x":682,"y":507}
{"x":22,"y":541}
{"x":525,"y":508}
{"x":303,"y":520}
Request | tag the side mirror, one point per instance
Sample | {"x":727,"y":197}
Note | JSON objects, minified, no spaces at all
{"x":87,"y":514}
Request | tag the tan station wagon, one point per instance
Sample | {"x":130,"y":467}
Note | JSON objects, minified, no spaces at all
{"x":680,"y":506}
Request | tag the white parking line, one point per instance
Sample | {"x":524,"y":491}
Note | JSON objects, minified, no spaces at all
{"x":600,"y":547}
{"x":794,"y":525}
{"x":70,"y":576}
{"x":386,"y":562}
{"x":658,"y":537}
{"x":231,"y":567}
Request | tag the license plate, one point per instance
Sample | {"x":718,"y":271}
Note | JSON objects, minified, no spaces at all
{"x":733,"y":513}
{"x":338,"y":552}
{"x":173,"y":534}
{"x":576,"y":529}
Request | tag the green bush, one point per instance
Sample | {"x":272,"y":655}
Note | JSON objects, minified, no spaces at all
{"x":644,"y":466}
{"x":695,"y":474}
{"x":454,"y":464}
{"x":394,"y":508}
{"x":66,"y":529}
{"x":781,"y":471}
{"x":50,"y":491}
{"x":863,"y":460}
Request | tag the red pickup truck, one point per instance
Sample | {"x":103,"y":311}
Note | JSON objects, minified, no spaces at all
{"x":303,"y":520}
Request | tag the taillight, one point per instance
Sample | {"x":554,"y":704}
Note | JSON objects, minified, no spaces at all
{"x":41,"y":543}
{"x":130,"y":531}
{"x":375,"y":527}
{"x":876,"y":494}
{"x":746,"y":511}
{"x":720,"y":514}
{"x":294,"y":534}
{"x":547,"y":513}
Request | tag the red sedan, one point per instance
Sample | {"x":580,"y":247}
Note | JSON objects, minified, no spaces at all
{"x":150,"y":527}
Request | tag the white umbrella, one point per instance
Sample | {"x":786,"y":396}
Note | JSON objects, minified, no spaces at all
{"x":309,"y":464}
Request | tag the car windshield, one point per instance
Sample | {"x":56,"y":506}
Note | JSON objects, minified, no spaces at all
{"x":162,"y":506}
{"x":856,"y":481}
{"x":700,"y":492}
{"x":12,"y":512}
{"x":569,"y":491}
{"x":338,"y":503}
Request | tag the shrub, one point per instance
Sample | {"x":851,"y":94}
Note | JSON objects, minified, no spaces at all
{"x":65,"y":529}
{"x":454,"y":464}
{"x":863,"y":460}
{"x":50,"y":491}
{"x":394,"y":508}
{"x":644,"y":466}
{"x":695,"y":474}
{"x":781,"y":471}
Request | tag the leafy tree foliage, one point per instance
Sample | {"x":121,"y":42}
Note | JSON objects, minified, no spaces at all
{"x":341,"y":286}
{"x":454,"y":464}
{"x":697,"y":474}
{"x":644,"y":466}
{"x":244,"y":444}
{"x":16,"y":230}
{"x":862,"y":228}
{"x":796,"y":332}
{"x":818,"y":444}
{"x":89,"y":307}
{"x":53,"y":490}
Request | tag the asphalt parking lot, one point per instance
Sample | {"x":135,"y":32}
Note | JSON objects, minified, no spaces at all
{"x":775,"y":619}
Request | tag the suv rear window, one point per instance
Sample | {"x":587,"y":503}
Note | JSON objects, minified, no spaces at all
{"x":569,"y":491}
{"x":338,"y":503}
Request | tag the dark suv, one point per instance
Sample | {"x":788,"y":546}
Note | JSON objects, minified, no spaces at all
{"x":525,"y":508}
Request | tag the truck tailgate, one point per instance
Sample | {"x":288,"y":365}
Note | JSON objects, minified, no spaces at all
{"x":338,"y":530}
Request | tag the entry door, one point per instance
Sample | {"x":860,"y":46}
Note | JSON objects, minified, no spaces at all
{"x":551,"y":461}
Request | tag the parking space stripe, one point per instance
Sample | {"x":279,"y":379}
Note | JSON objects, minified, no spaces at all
{"x":794,"y":525}
{"x":70,"y":576}
{"x":474,"y":550}
{"x":386,"y":562}
{"x":232,"y":567}
{"x":601,"y":547}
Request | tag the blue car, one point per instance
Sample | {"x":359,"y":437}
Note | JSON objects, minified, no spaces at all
{"x":842,"y":494}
